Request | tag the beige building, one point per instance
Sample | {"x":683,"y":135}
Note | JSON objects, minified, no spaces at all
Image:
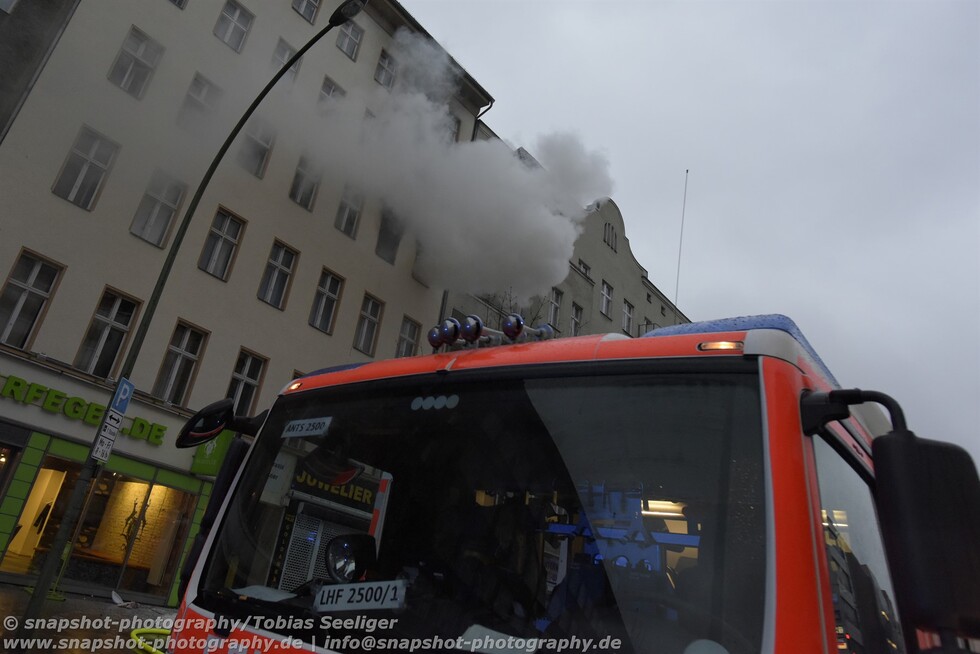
{"x":606,"y":290}
{"x":283,"y":269}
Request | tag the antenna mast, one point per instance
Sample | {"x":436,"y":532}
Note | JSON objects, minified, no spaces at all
{"x":680,"y":245}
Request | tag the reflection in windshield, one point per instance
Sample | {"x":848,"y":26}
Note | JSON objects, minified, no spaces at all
{"x":628,"y":507}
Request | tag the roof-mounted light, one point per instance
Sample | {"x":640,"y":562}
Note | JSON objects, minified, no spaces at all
{"x":708,"y":346}
{"x":435,"y":337}
{"x":472,"y":332}
{"x":449,"y":330}
{"x":472,"y":329}
{"x":512,"y":326}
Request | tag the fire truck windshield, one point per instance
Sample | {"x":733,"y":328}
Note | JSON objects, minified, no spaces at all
{"x":626,"y":506}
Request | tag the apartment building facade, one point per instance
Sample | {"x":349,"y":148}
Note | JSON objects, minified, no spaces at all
{"x":282,"y":270}
{"x":606,"y":290}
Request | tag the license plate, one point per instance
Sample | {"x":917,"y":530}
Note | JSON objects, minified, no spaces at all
{"x":361,"y":597}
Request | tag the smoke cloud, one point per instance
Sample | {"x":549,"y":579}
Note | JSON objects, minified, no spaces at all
{"x":484,"y":219}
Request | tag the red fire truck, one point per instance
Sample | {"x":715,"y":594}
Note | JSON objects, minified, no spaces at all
{"x":708,"y":488}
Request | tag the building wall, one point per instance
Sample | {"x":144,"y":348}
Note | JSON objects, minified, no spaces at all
{"x":49,"y":409}
{"x":96,"y":248}
{"x":605,"y":251}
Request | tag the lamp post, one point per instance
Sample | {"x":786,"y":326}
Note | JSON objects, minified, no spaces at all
{"x":60,"y":547}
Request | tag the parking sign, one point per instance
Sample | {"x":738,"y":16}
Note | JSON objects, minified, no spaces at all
{"x":112,"y":420}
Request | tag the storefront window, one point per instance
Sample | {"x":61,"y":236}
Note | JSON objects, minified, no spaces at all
{"x":129,"y":538}
{"x":157,"y":539}
{"x":114,"y":518}
{"x":40,"y":516}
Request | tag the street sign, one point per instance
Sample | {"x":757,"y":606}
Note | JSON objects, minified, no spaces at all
{"x":112,"y":421}
{"x":124,"y":393}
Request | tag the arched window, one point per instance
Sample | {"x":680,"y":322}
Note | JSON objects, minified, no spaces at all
{"x":609,"y":236}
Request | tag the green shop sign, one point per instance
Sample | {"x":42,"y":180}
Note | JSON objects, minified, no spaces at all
{"x":209,"y":457}
{"x":76,"y":408}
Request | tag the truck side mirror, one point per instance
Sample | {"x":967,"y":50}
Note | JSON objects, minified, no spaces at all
{"x":208,"y":423}
{"x":928,"y":498}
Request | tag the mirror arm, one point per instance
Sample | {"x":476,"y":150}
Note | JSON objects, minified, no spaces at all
{"x":248,"y":426}
{"x":817,"y":408}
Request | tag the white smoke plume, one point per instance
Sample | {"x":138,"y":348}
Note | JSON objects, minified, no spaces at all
{"x":485,"y":221}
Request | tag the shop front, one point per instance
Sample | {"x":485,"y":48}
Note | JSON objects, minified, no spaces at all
{"x":144,"y":507}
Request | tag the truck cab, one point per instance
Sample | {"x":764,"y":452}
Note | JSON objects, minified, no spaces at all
{"x":705,"y":489}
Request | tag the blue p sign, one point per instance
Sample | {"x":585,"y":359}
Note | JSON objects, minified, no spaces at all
{"x":124,"y":393}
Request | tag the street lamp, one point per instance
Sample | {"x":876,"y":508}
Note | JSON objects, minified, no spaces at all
{"x":59,"y":551}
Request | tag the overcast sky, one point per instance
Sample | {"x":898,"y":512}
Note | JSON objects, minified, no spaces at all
{"x":834,"y":156}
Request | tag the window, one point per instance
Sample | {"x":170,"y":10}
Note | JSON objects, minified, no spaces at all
{"x":554,"y":307}
{"x":104,"y":339}
{"x":454,"y":126}
{"x":663,"y":310}
{"x":202,"y":99}
{"x":348,"y":212}
{"x":233,"y":25}
{"x":326,"y":300}
{"x":281,"y":55}
{"x":627,"y":317}
{"x":349,"y":39}
{"x":609,"y":236}
{"x":245,"y":381}
{"x":408,"y":338}
{"x":135,"y":63}
{"x":85,"y":171}
{"x":256,"y":146}
{"x":606,"y":302}
{"x":307,"y":8}
{"x":366,"y":334}
{"x":384,"y":74}
{"x":330,"y":89}
{"x":306,"y":181}
{"x":275,"y":279}
{"x":25,"y":297}
{"x":174,"y":381}
{"x":864,"y":604}
{"x":584,"y":267}
{"x":221,"y":245}
{"x":576,"y":319}
{"x":389,"y":237}
{"x":157,"y":209}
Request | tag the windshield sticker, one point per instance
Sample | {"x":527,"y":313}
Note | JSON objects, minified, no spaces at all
{"x":280,"y":477}
{"x":308,"y":427}
{"x":359,"y":597}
